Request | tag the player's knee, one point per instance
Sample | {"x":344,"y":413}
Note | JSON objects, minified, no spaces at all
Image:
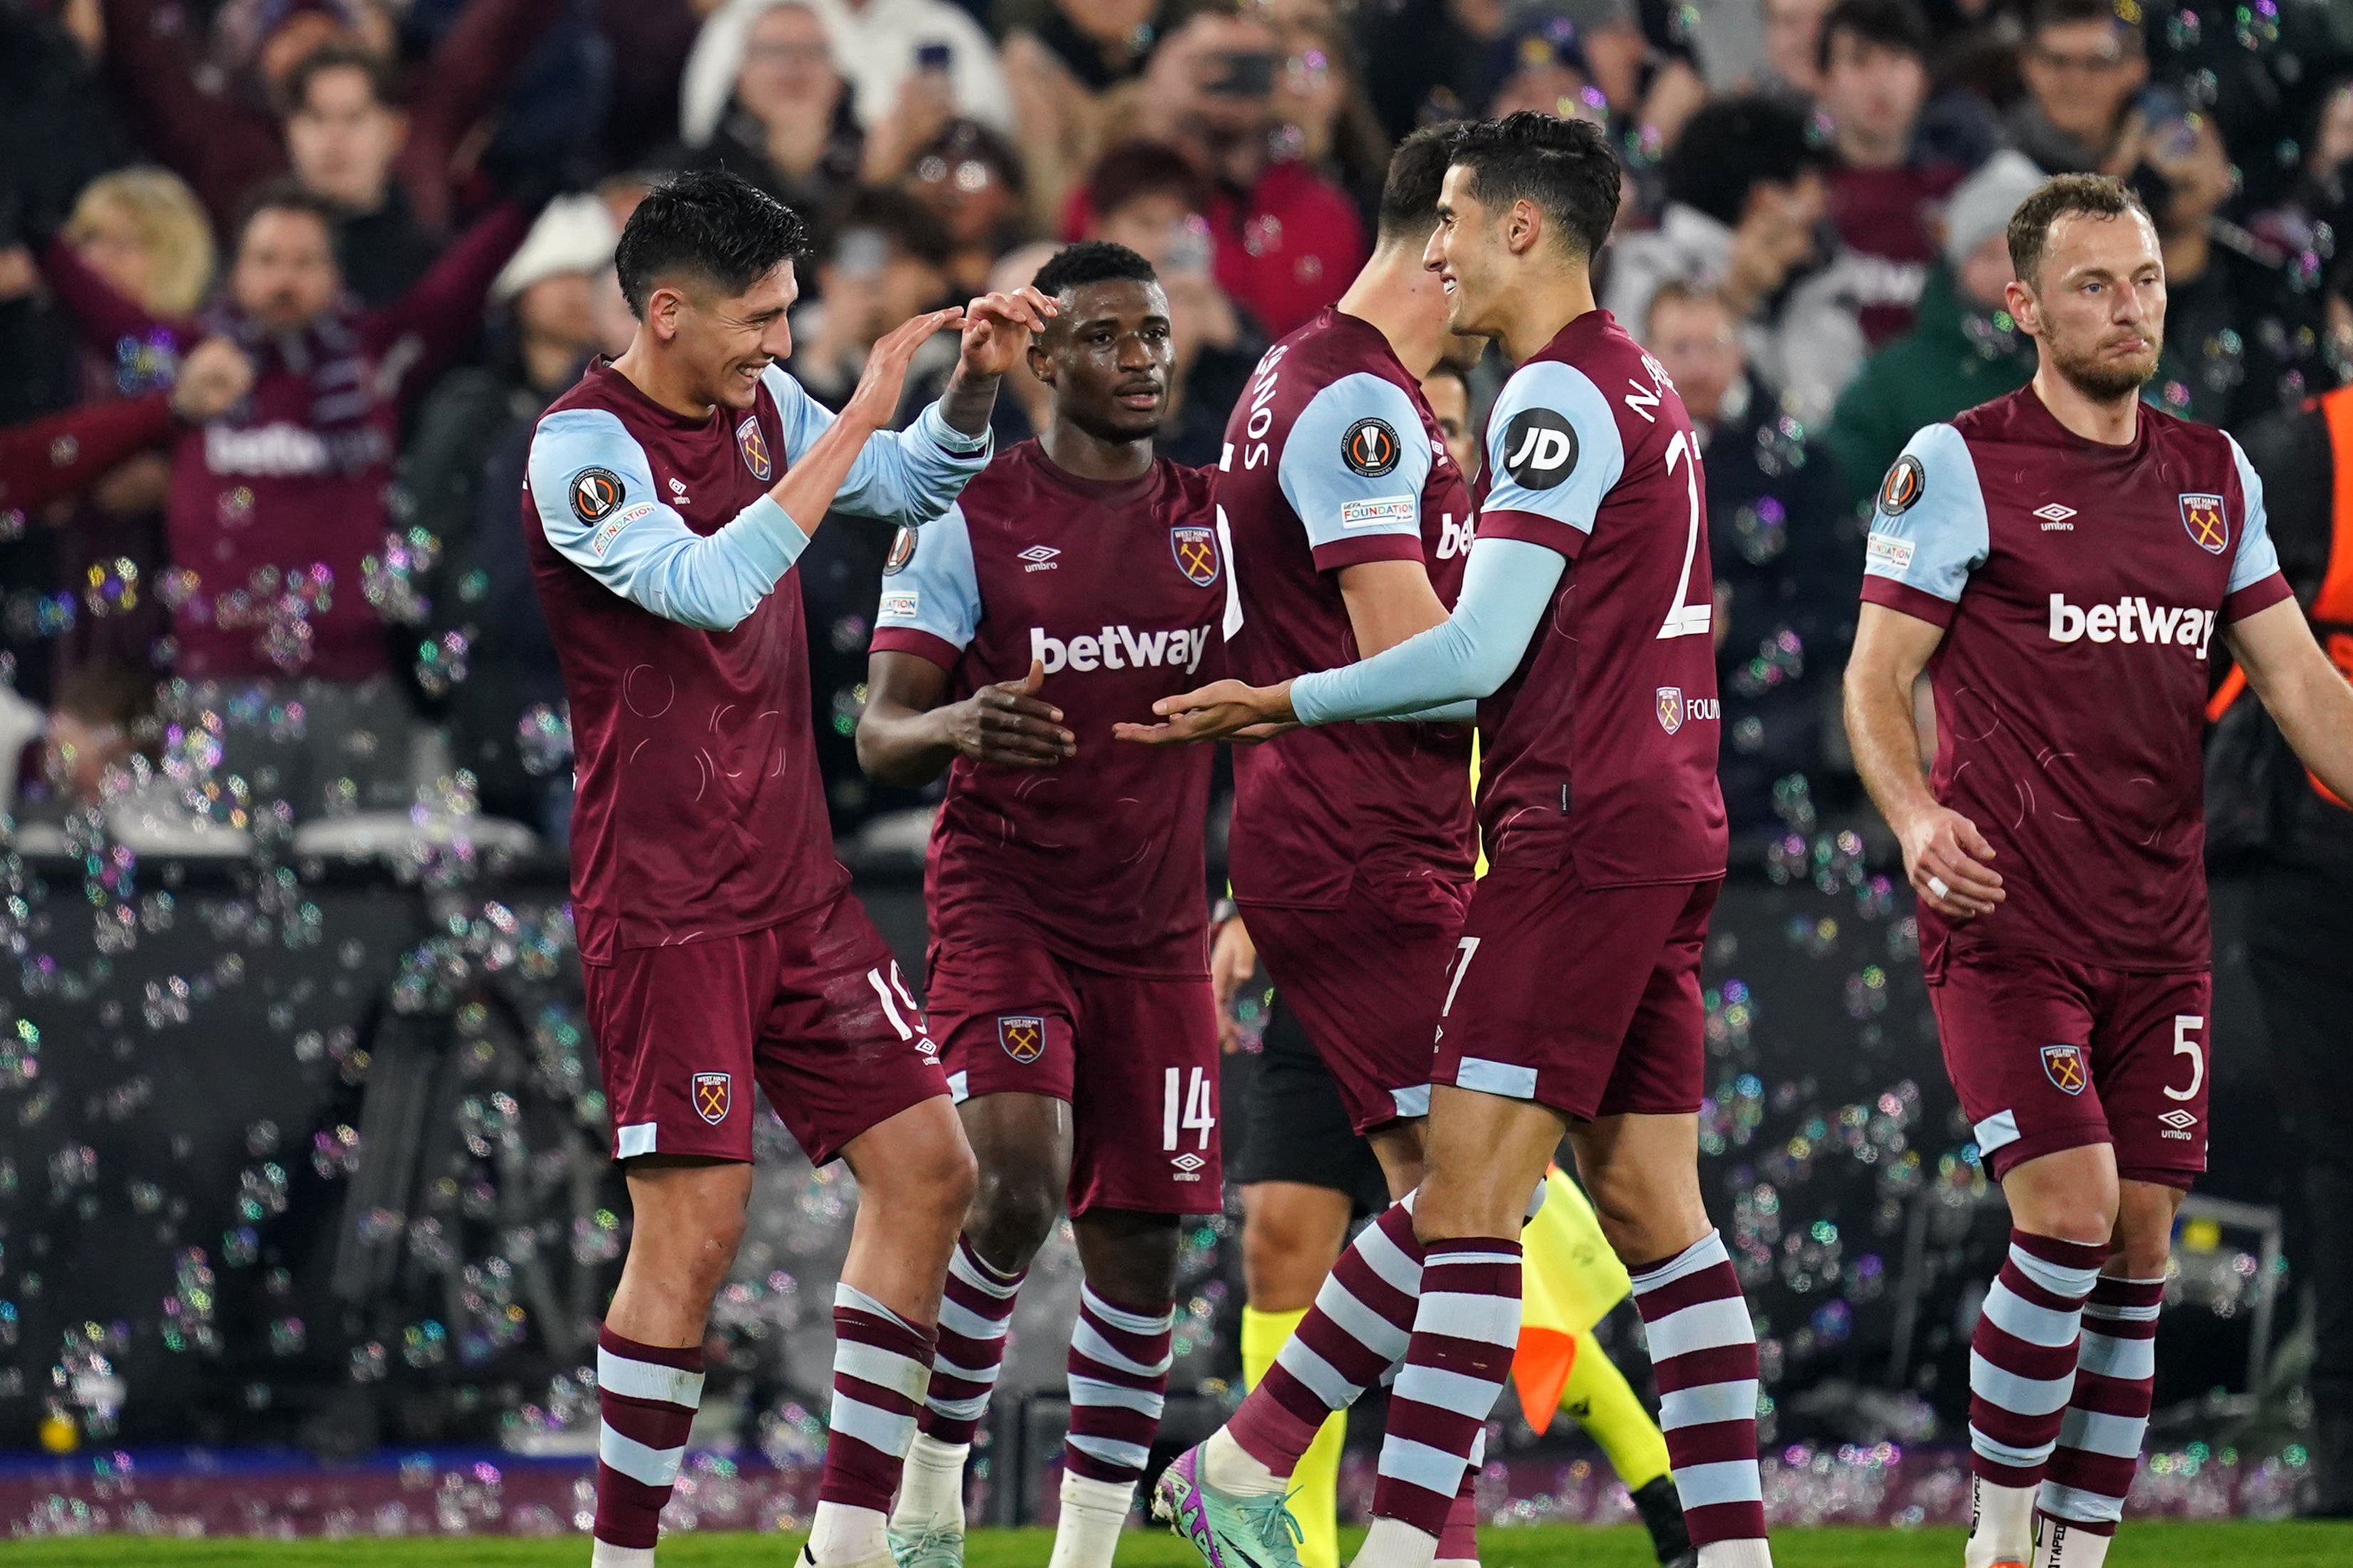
{"x":1284,"y":1262}
{"x":1014,"y":1211}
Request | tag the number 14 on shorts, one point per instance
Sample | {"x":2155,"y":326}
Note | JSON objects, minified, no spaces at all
{"x":1188,"y":1105}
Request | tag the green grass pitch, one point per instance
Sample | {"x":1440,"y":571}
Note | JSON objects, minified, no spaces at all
{"x":2291,"y":1545}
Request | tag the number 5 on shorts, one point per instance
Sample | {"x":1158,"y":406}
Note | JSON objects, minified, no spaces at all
{"x":2183,"y":1046}
{"x":1467,"y":947}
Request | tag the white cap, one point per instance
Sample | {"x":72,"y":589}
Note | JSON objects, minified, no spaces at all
{"x":1980,"y":207}
{"x":575,"y":234}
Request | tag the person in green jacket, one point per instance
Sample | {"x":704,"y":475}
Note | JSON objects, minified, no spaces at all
{"x":1963,"y":348}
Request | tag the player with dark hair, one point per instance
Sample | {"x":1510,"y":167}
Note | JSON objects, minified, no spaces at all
{"x":2059,"y":561}
{"x":1350,"y":851}
{"x":668,"y":496}
{"x":1079,"y":578}
{"x":1582,"y":632}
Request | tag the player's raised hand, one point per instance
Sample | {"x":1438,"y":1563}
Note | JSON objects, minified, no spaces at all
{"x":1007,"y":725}
{"x":1945,"y":857}
{"x":1234,"y":959}
{"x":996,"y":329}
{"x":1219,"y":710}
{"x":879,"y":384}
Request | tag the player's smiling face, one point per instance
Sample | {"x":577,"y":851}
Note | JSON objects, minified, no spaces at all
{"x":1108,"y":358}
{"x":729,"y":339}
{"x":1468,"y":253}
{"x":2097,"y":305}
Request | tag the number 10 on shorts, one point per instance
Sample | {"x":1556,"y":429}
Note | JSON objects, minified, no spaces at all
{"x":1186,"y":1108}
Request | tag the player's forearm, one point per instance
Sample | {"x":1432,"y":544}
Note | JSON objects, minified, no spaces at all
{"x":902,"y":746}
{"x":808,"y":485}
{"x":968,"y":402}
{"x":1887,"y":746}
{"x":2314,"y":706}
{"x":1507,"y":586}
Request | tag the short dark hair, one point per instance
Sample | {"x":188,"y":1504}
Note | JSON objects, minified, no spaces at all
{"x":1730,"y":147}
{"x":1682,"y":292}
{"x":1890,"y":24}
{"x":1564,"y":166}
{"x":2062,"y":195}
{"x":383,"y":81}
{"x":2074,"y":13}
{"x":709,"y":222}
{"x":1090,"y":261}
{"x":287,"y":194}
{"x":903,"y":218}
{"x":1137,"y":169}
{"x":1408,"y":207}
{"x":1449,"y":369}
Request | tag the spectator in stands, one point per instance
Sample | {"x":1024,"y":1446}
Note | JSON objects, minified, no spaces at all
{"x":886,"y":259}
{"x":343,"y":129}
{"x":971,"y":178}
{"x":1745,"y":201}
{"x":1070,"y":65}
{"x":1540,"y":64}
{"x":1148,"y":199}
{"x":2243,"y":334}
{"x":911,"y":66}
{"x":459,"y":480}
{"x":1883,"y":192}
{"x":1322,"y":115}
{"x":225,"y":141}
{"x":142,"y":231}
{"x":48,"y":460}
{"x":1786,"y":568}
{"x":1793,"y":50}
{"x":1963,"y":349}
{"x":1426,"y":61}
{"x":1287,"y":239}
{"x":2082,"y":66}
{"x":786,"y":126}
{"x":277,"y":514}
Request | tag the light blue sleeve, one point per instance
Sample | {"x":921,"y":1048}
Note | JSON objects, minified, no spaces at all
{"x":595,"y":491}
{"x":1507,"y":585}
{"x":2257,"y":558}
{"x":1554,"y":448}
{"x":1355,"y":461}
{"x":909,"y":475}
{"x":937,"y":591}
{"x":1928,"y":527}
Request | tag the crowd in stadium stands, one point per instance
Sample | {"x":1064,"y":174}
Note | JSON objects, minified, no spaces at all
{"x":285,"y":283}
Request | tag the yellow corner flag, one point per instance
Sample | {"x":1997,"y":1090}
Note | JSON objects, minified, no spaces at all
{"x":1570,"y":1279}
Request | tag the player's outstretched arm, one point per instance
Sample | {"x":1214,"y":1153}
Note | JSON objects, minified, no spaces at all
{"x":915,"y":475}
{"x":910,"y":733}
{"x":1943,"y":853}
{"x":2305,"y":692}
{"x":1507,"y":584}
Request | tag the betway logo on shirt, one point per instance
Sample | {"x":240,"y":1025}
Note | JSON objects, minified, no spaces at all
{"x":1120,"y":647}
{"x":2131,"y":620}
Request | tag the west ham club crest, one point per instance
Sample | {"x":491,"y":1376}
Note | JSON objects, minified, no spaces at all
{"x":1671,"y":709}
{"x":2064,"y":1067}
{"x":755,"y":448}
{"x":1022,"y":1035}
{"x":1196,"y":549}
{"x":2202,"y":517}
{"x":712,"y":1096}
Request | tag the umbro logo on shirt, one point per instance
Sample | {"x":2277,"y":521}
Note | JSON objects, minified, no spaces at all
{"x":1038,"y":558}
{"x":2054,"y":518}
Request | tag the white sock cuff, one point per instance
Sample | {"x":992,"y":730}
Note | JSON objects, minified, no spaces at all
{"x":1705,"y":1253}
{"x":851,"y":1296}
{"x":1122,"y":1319}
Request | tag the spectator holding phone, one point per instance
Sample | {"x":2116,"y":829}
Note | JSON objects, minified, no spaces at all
{"x":2082,"y":66}
{"x":1070,"y":65}
{"x":785,"y":123}
{"x":972,"y":179}
{"x":1286,"y":239}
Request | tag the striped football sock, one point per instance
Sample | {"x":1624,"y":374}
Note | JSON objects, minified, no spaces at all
{"x":1703,"y":1355}
{"x":880,"y":1364}
{"x":975,"y":1308}
{"x":1465,"y":1329}
{"x":2115,"y":1378}
{"x":1359,"y":1327}
{"x":1458,"y":1543}
{"x":646,"y":1396}
{"x":1119,"y":1378}
{"x":2022,"y":1356}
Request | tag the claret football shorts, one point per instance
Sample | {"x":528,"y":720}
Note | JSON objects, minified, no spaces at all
{"x":1135,"y":1058}
{"x":2049,"y":1053}
{"x":1584,"y":999}
{"x":812,"y":1009}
